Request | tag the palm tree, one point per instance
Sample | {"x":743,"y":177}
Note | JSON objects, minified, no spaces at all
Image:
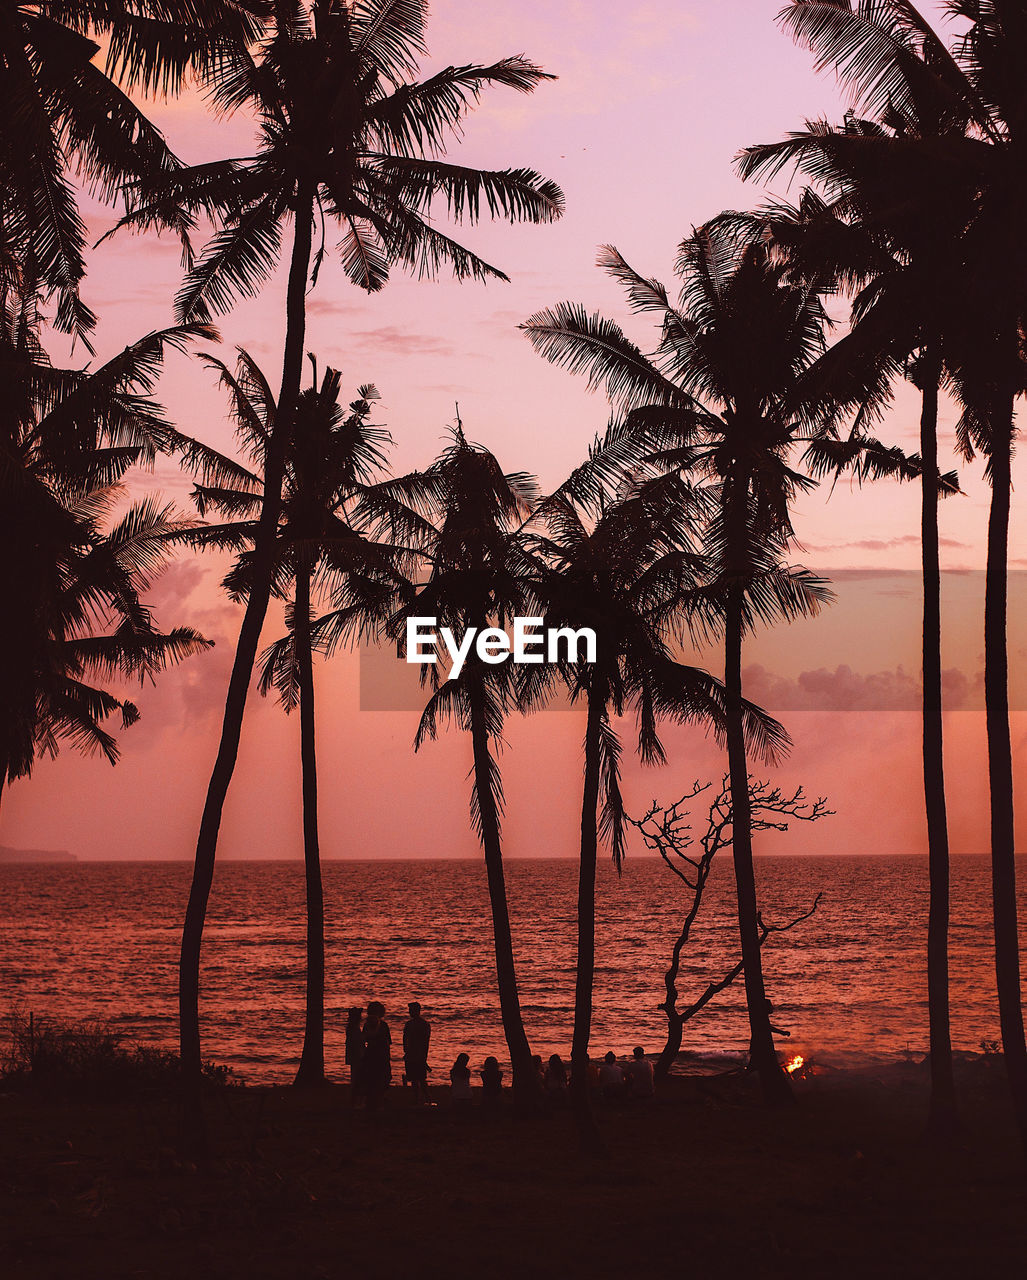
{"x":475,"y":578}
{"x":949,"y":146}
{"x":333,"y":457}
{"x":900,"y":269}
{"x":626,"y":570}
{"x":731,"y":392}
{"x":62,"y":112}
{"x":73,"y":582}
{"x":344,"y":133}
{"x":79,"y":618}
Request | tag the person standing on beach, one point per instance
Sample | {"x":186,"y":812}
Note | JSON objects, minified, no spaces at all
{"x":354,"y":1051}
{"x":416,"y":1038}
{"x":376,"y":1064}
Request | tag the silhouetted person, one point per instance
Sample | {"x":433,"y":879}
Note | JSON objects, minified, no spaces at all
{"x":416,"y":1037}
{"x":460,"y":1079}
{"x":778,"y":1031}
{"x":540,"y":1070}
{"x":491,"y":1081}
{"x":355,"y":1052}
{"x":611,"y":1078}
{"x":556,"y":1079}
{"x":640,"y":1071}
{"x":376,"y":1066}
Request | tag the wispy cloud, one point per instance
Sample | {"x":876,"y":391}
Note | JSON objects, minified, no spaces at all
{"x":399,"y":341}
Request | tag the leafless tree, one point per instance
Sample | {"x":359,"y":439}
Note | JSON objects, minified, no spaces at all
{"x":667,"y":830}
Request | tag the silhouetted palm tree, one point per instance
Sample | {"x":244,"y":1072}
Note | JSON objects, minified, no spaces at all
{"x":61,"y":111}
{"x":970,"y":154}
{"x":344,"y":133}
{"x":625,"y":570}
{"x":334,"y":455}
{"x":72,"y":580}
{"x":86,"y":622}
{"x":901,"y":270}
{"x":475,"y":578}
{"x":731,"y":392}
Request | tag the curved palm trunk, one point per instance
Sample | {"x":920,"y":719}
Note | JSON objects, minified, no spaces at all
{"x":527,"y":1092}
{"x":775,"y":1084}
{"x":584,"y":977}
{"x":238,"y":686}
{"x":942,"y":1116}
{"x":1000,"y":770}
{"x":312,"y":1061}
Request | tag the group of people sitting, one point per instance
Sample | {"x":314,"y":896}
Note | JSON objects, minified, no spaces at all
{"x":369,"y":1058}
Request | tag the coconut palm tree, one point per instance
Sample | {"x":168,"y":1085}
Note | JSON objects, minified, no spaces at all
{"x":625,"y":570}
{"x":949,"y":144}
{"x":731,"y":392}
{"x":334,"y":456}
{"x":347,"y":135}
{"x":73,"y":576}
{"x":899,"y":271}
{"x":474,"y":577}
{"x":79,"y":619}
{"x":66,"y":116}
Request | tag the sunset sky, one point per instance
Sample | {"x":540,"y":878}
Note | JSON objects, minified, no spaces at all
{"x":652,"y":102}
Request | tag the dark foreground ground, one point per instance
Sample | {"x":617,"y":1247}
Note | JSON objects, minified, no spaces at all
{"x":701,"y":1182}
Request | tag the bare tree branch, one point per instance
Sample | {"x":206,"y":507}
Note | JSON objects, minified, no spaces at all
{"x":667,"y":831}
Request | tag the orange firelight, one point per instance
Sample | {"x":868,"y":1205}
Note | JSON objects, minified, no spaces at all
{"x":795,"y":1064}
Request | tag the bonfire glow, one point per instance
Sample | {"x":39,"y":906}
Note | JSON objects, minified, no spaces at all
{"x":795,"y":1064}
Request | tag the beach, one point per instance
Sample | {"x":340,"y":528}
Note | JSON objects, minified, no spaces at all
{"x":701,"y":1181}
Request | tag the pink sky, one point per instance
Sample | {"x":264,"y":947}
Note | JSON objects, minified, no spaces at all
{"x":652,"y":102}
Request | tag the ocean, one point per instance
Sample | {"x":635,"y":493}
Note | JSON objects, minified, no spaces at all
{"x":100,"y":941}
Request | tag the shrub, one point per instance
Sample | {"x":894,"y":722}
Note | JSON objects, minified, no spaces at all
{"x":90,"y":1059}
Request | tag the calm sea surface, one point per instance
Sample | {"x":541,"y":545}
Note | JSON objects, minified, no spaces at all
{"x":100,"y":940}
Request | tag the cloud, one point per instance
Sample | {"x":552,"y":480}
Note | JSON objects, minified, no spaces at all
{"x":507,"y":319}
{"x":883,"y":544}
{"x":844,"y":689}
{"x":322,"y":306}
{"x":190,"y":695}
{"x":175,"y":585}
{"x":398,"y":341}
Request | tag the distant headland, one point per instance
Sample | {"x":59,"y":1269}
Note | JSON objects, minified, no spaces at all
{"x":7,"y":854}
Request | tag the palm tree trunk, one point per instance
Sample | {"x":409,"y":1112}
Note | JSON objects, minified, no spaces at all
{"x":527,"y":1092}
{"x":238,"y":686}
{"x":312,"y":1061}
{"x":1000,"y":770}
{"x":942,"y":1115}
{"x":775,"y":1084}
{"x":584,"y":979}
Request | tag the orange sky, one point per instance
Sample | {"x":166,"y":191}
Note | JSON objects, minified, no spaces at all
{"x":652,"y":102}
